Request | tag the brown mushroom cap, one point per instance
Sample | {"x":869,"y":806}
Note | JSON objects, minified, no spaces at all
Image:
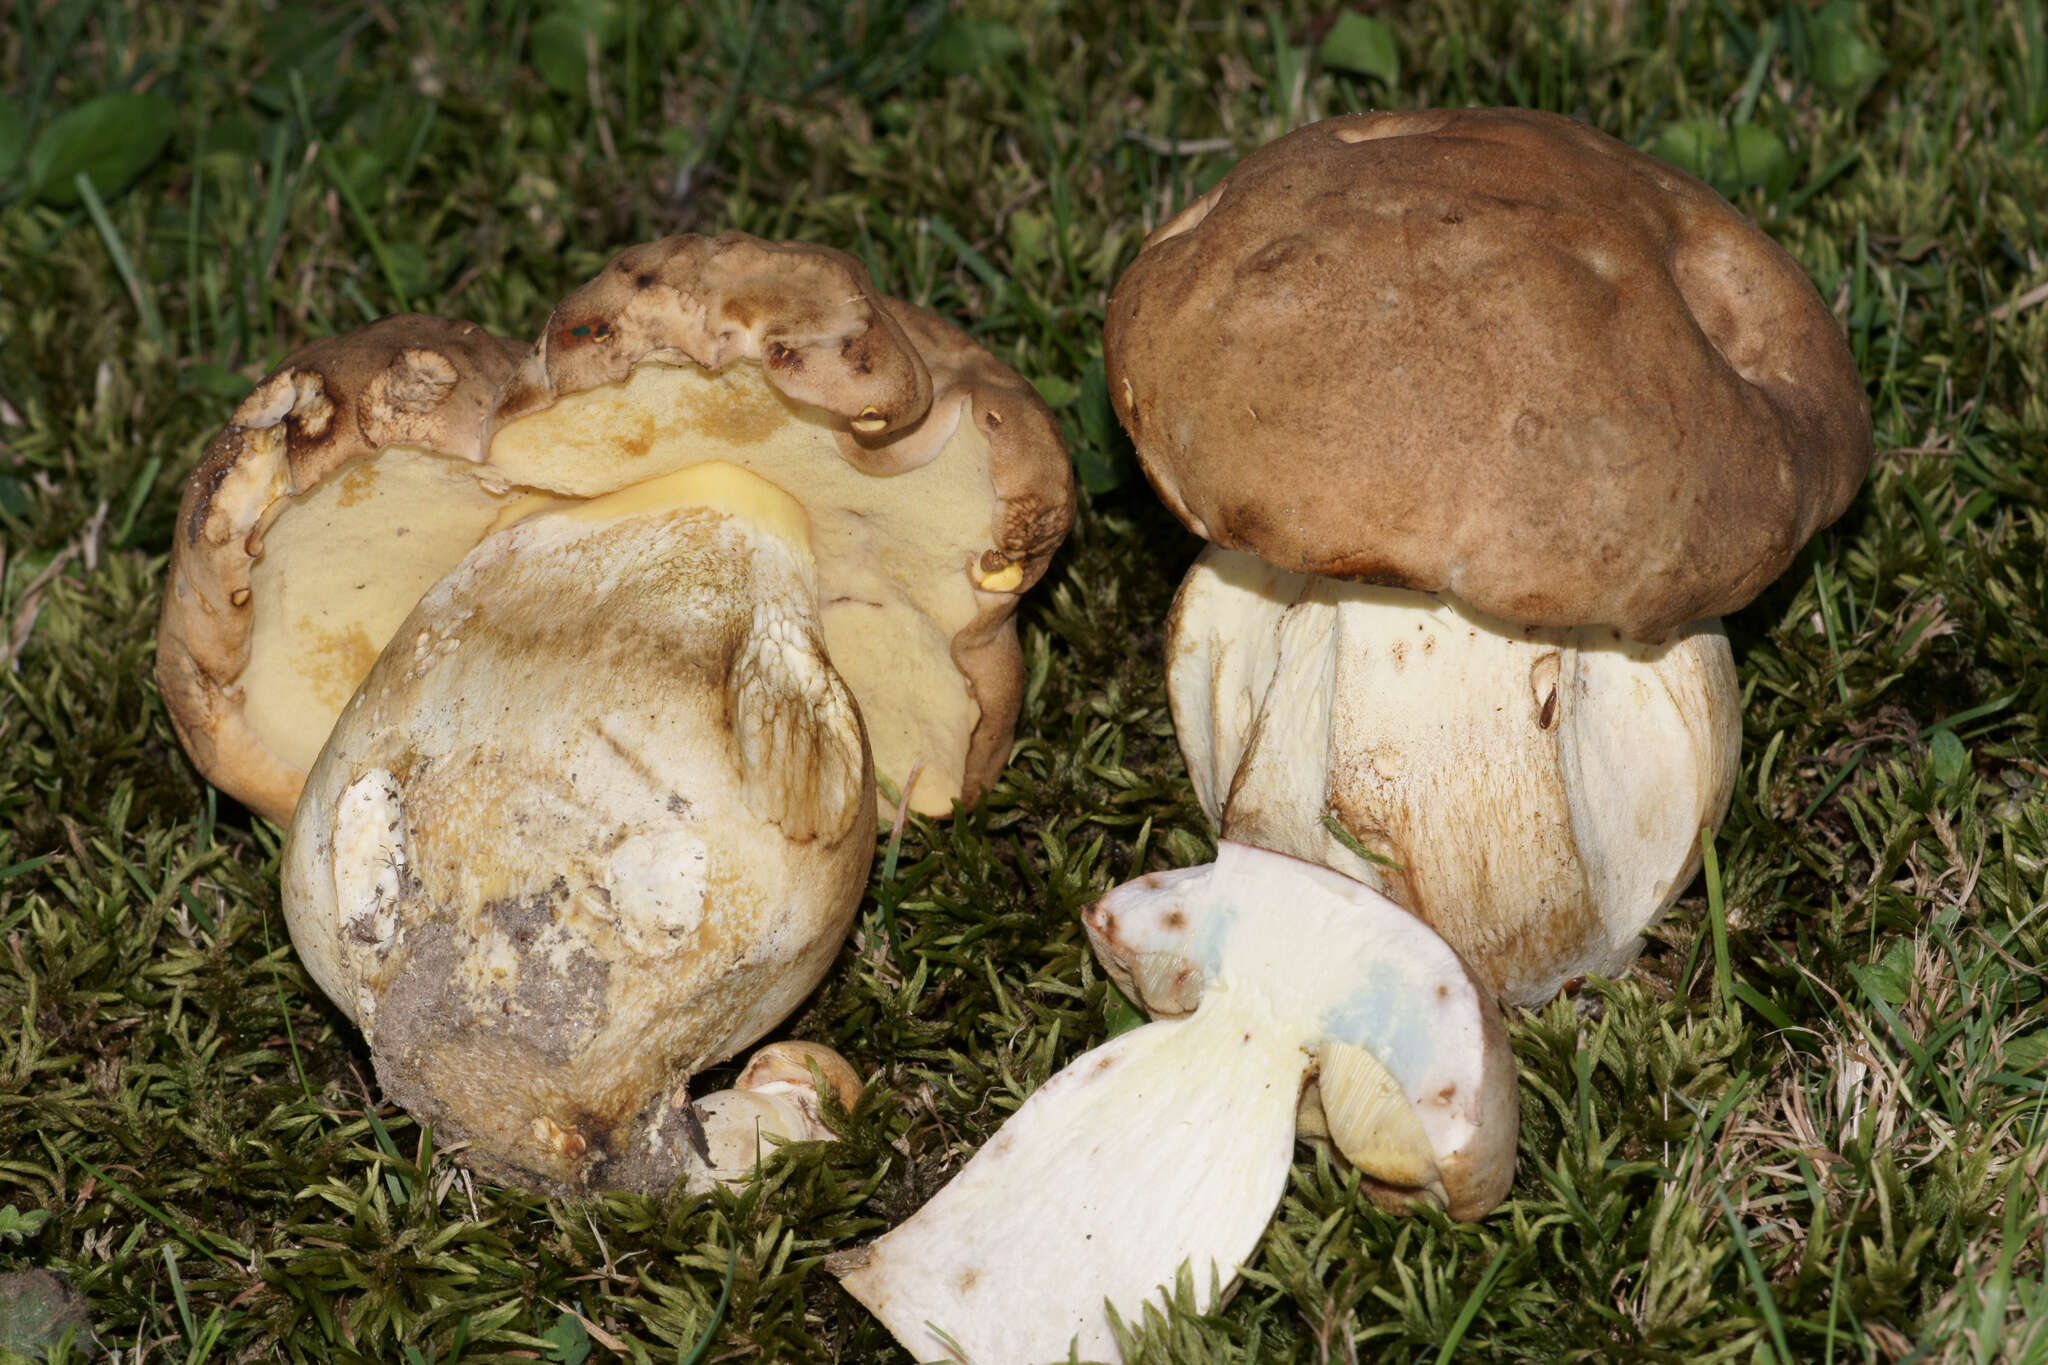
{"x":1490,"y":352}
{"x":408,"y":381}
{"x":947,"y":482}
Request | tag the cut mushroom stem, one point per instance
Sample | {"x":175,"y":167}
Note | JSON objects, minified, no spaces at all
{"x":1168,"y":1147}
{"x":597,"y":818}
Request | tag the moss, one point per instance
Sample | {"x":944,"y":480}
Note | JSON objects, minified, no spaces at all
{"x":1843,"y":1161}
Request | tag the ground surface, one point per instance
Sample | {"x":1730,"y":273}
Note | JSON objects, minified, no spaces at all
{"x":1818,"y":1135}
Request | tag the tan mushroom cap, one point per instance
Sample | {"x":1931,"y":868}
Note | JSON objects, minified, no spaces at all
{"x":409,"y":382}
{"x":937,"y":482}
{"x":936,"y":479}
{"x":1490,"y":352}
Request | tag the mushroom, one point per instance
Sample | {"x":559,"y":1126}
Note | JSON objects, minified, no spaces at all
{"x":598,"y":818}
{"x":360,"y":471}
{"x":592,"y":805}
{"x":1167,"y":1148}
{"x":778,"y":1097}
{"x":1487,"y":416}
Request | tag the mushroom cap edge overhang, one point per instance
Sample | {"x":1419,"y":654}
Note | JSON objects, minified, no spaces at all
{"x":406,"y":379}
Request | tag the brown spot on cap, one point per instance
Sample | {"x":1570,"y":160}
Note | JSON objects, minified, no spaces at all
{"x":419,"y":379}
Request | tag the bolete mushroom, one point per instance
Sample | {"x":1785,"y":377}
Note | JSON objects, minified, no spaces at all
{"x":599,"y":813}
{"x":363,"y":468}
{"x":1168,"y":1147}
{"x":1486,"y":415}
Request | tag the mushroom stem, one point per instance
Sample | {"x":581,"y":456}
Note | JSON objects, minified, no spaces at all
{"x":596,"y":819}
{"x":1535,"y":794}
{"x":1167,"y":1148}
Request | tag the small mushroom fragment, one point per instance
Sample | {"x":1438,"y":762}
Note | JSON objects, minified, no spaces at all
{"x":775,"y":1099}
{"x":1486,"y":415}
{"x":598,"y":818}
{"x":1169,"y":1146}
{"x":366,"y":466}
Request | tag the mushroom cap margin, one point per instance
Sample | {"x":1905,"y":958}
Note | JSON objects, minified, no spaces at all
{"x":406,"y":379}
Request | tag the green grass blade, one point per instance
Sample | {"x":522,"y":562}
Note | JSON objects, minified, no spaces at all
{"x":138,"y":289}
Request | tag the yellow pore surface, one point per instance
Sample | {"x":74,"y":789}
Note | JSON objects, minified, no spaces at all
{"x":352,"y":555}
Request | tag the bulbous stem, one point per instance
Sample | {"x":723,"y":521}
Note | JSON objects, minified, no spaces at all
{"x":597,"y":818}
{"x":1536,"y":795}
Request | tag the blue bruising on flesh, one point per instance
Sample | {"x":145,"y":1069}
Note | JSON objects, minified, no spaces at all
{"x":1212,"y":920}
{"x":1371,"y":1017}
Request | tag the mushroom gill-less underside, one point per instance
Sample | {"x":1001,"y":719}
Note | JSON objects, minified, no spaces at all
{"x":598,"y":817}
{"x":895,"y":553}
{"x":366,"y":466}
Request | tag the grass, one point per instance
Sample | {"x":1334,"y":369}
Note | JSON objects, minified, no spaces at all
{"x":1811,"y":1125}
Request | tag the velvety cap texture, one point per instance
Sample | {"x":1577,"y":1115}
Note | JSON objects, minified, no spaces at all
{"x":1490,"y":352}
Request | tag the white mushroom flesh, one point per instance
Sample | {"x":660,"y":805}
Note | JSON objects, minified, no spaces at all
{"x":1167,"y":1148}
{"x":741,"y":1130}
{"x":1536,"y":795}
